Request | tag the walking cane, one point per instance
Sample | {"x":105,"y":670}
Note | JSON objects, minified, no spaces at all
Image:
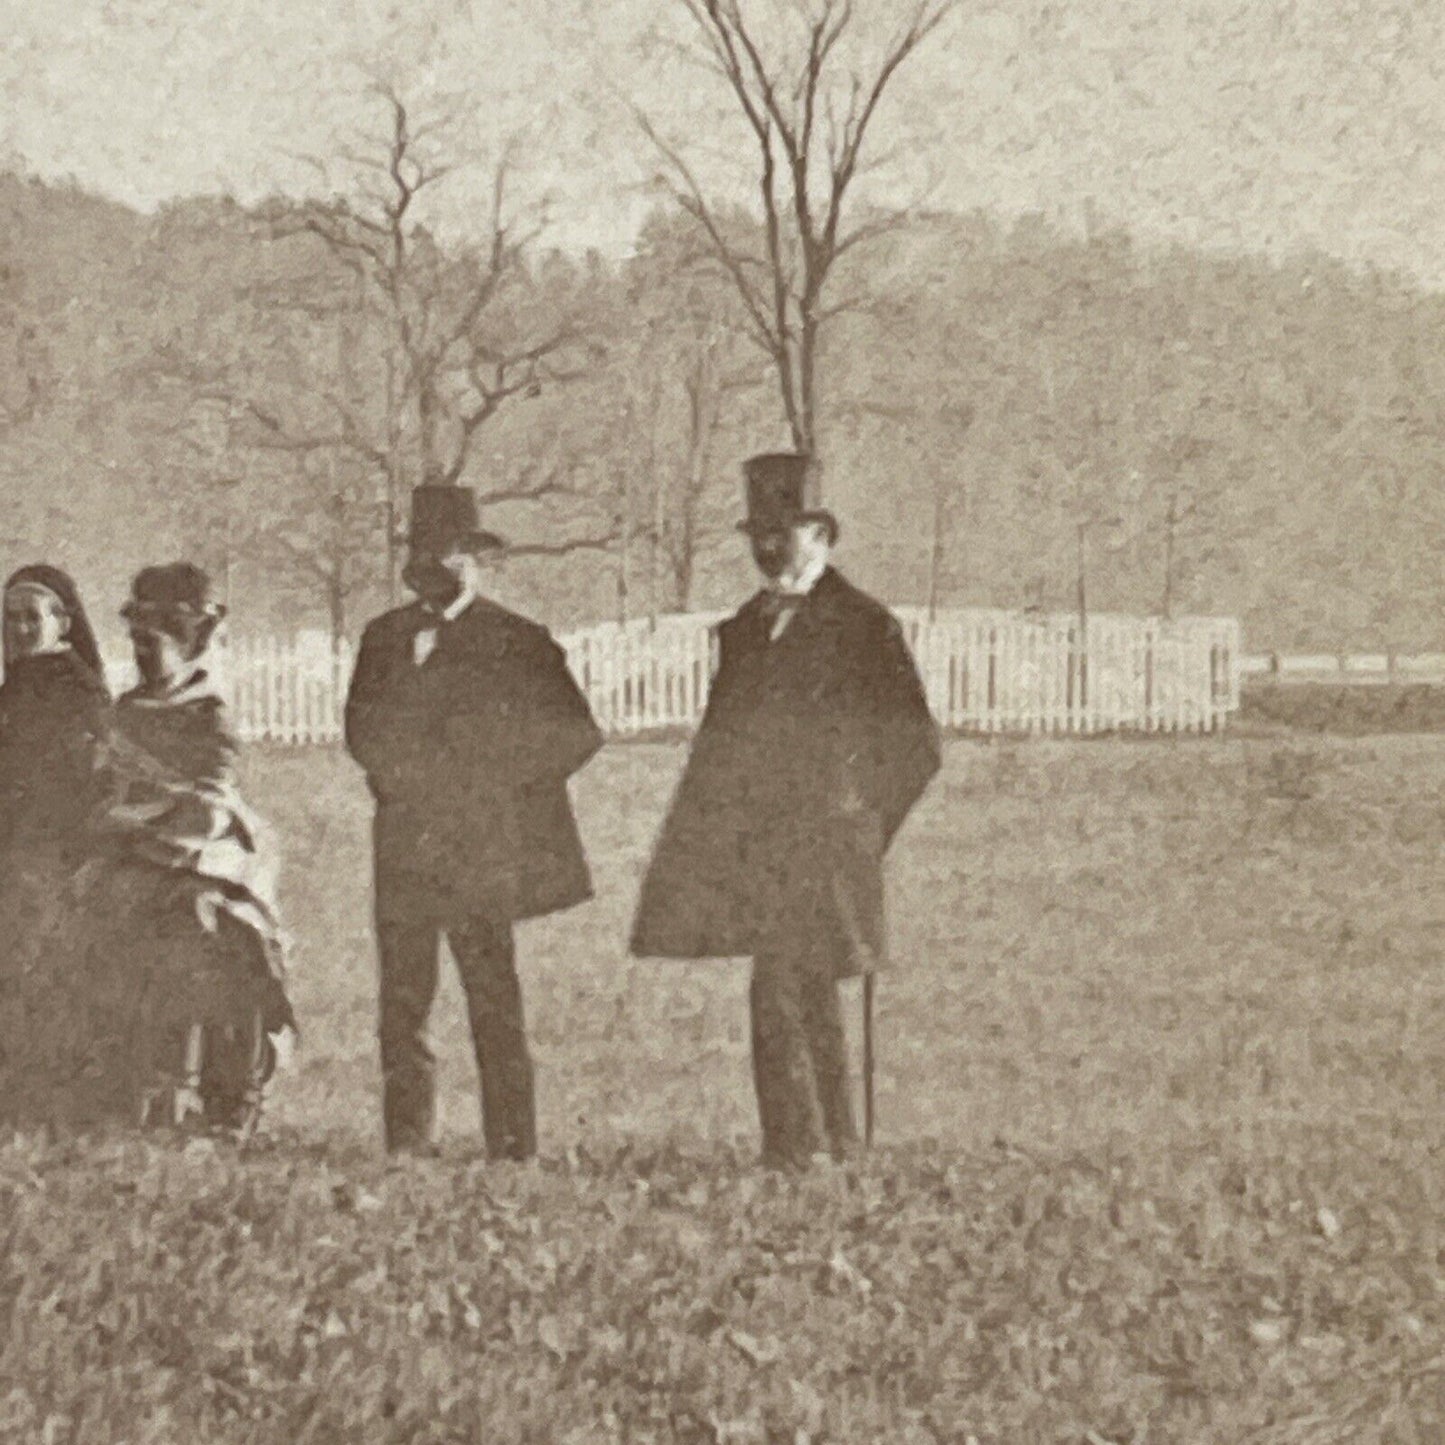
{"x":867,"y":1060}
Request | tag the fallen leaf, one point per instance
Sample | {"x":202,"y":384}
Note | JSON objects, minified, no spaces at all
{"x":846,"y":1274}
{"x":550,"y":1333}
{"x":759,"y":1352}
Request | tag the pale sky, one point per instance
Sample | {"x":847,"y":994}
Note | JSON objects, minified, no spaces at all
{"x":1261,"y":125}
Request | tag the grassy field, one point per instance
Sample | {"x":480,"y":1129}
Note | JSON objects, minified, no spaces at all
{"x":1162,"y":1065}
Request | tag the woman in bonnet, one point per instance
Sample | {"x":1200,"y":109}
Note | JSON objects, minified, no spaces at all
{"x":181,"y":894}
{"x":53,"y":710}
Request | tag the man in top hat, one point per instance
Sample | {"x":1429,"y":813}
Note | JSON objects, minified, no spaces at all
{"x":816,"y":742}
{"x":468,"y":725}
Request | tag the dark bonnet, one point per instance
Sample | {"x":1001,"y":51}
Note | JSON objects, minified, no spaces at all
{"x":82,"y":635}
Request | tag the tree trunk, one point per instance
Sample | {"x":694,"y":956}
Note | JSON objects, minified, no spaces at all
{"x":807,"y":350}
{"x":1081,"y":579}
{"x":703,"y":388}
{"x":228,"y":585}
{"x":682,"y":582}
{"x":1082,"y":600}
{"x":624,"y":546}
{"x":431,"y":469}
{"x":658,"y":510}
{"x":655,"y":556}
{"x":935,"y":557}
{"x":336,"y":605}
{"x":1171,"y":523}
{"x":393,"y":466}
{"x":337,"y":581}
{"x":623,"y":583}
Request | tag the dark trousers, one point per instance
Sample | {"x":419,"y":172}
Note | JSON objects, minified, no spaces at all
{"x":800,"y":1052}
{"x":237,"y":1060}
{"x":226,"y":1066}
{"x":486,"y":959}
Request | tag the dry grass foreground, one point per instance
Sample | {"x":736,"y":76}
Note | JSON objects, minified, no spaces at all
{"x":1160,"y":1107}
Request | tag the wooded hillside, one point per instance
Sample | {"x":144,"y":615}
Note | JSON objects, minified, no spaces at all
{"x":1001,"y":411}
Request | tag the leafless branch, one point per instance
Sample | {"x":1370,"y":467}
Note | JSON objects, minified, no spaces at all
{"x":870,"y":230}
{"x":535,"y":483}
{"x":740,"y":58}
{"x":926,"y":17}
{"x":689,"y":195}
{"x":783,"y":104}
{"x":847,"y":305}
{"x":603,"y":543}
{"x":277,"y":435}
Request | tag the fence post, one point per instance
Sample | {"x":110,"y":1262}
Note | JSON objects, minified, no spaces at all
{"x":992,"y":703}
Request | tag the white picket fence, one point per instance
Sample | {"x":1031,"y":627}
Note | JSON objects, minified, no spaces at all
{"x":1367,"y":669}
{"x":984,"y":672}
{"x":995,"y":672}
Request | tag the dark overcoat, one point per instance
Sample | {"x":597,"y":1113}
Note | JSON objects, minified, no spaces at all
{"x":468,"y":756}
{"x":53,"y":712}
{"x":811,"y":753}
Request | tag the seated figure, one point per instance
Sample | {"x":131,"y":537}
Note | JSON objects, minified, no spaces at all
{"x":180,"y":894}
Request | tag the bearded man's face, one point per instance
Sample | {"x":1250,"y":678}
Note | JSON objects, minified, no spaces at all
{"x":440,"y":575}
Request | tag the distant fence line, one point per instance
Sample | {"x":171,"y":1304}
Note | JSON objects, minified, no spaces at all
{"x":1365,"y":668}
{"x":984,"y":672}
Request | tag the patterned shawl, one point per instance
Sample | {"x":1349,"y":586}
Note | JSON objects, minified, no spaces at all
{"x":183,"y":813}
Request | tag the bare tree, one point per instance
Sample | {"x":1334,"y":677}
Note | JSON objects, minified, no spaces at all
{"x":460,"y":332}
{"x":246,"y":434}
{"x":555,"y":470}
{"x":1082,"y":476}
{"x":810,"y":114}
{"x":190,"y":427}
{"x":1186,"y":508}
{"x":695,"y":375}
{"x":324,"y":533}
{"x":629,"y":489}
{"x":1174,"y":427}
{"x":950,"y":496}
{"x":707,"y":381}
{"x":944,"y":429}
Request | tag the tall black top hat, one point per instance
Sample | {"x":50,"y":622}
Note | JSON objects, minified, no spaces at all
{"x":783,"y":489}
{"x":442,"y":516}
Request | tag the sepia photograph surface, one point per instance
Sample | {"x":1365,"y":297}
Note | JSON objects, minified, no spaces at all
{"x":722,"y":721}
